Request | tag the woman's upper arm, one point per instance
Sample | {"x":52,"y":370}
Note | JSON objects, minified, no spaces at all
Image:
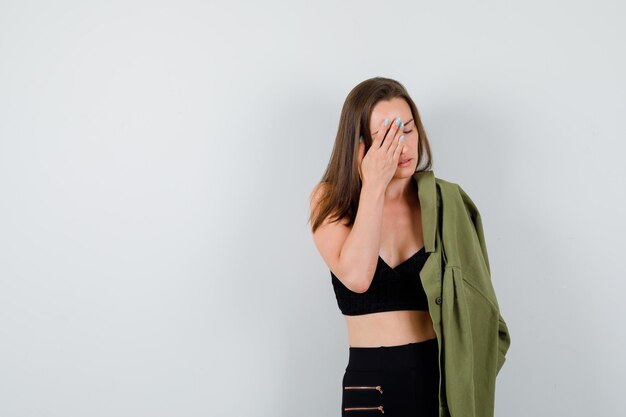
{"x":329,"y":237}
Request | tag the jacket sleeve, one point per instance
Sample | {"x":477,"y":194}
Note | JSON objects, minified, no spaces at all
{"x":504,"y":337}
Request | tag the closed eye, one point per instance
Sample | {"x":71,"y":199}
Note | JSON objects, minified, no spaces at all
{"x":409,"y":131}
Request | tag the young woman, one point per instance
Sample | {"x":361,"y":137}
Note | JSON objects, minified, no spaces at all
{"x":375,"y":253}
{"x":409,"y":267}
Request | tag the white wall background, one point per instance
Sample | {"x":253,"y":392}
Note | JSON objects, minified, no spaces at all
{"x":155,"y":164}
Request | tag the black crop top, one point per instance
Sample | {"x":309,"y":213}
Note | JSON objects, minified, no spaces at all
{"x":398,"y":288}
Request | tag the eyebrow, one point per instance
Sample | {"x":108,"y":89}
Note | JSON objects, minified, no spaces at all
{"x":373,"y":133}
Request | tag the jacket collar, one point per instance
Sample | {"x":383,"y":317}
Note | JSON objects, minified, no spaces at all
{"x":427,"y":193}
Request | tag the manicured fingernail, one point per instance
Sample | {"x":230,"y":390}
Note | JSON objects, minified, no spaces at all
{"x":401,"y":125}
{"x":401,"y":138}
{"x":360,"y":139}
{"x":398,"y":121}
{"x":386,"y":122}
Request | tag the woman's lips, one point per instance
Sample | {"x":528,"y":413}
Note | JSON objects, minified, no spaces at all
{"x":405,"y":162}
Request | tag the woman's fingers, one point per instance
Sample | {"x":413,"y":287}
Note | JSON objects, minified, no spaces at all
{"x":392,"y":134}
{"x":399,"y":148}
{"x":396,"y":145}
{"x":379,"y":135}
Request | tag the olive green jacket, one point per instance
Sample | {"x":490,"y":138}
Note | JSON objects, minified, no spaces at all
{"x":472,"y":335}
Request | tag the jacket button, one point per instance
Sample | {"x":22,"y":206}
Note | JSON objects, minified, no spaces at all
{"x":438,"y":300}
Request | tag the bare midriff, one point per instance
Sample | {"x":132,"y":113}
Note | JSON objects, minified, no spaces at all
{"x":389,"y":328}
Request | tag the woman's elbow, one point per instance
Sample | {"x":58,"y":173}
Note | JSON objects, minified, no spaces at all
{"x":359,"y":282}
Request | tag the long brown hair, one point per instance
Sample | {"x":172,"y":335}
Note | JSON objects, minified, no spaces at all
{"x":342,"y":184}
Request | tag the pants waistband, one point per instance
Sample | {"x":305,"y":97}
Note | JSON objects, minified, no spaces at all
{"x":410,"y":355}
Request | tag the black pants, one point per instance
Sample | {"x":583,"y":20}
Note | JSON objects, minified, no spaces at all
{"x":397,"y":381}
